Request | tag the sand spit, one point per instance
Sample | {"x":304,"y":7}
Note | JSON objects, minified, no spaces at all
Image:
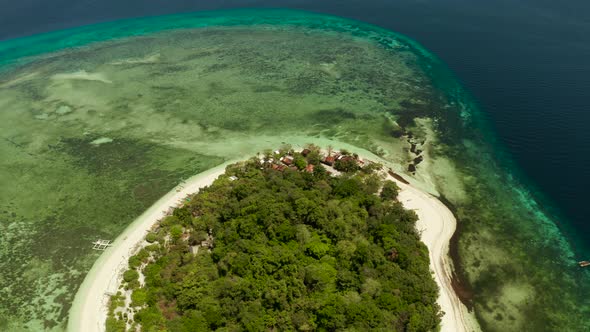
{"x":437,"y":224}
{"x":90,"y":307}
{"x":136,"y":61}
{"x":82,"y":75}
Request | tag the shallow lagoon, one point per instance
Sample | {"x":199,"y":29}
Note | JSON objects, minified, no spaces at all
{"x":92,"y":135}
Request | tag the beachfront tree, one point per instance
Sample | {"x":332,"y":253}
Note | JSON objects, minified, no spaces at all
{"x":389,"y":191}
{"x":347,"y":165}
{"x":286,"y":149}
{"x":312,"y":147}
{"x":371,"y":167}
{"x":299,"y":161}
{"x":314,"y":158}
{"x":267,"y":155}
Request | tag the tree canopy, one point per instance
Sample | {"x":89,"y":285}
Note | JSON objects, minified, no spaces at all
{"x":291,"y":250}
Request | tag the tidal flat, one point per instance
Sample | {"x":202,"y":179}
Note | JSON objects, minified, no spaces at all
{"x":93,"y":130}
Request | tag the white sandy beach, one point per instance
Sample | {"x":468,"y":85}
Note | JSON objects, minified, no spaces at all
{"x":437,"y":225}
{"x":89,"y":310}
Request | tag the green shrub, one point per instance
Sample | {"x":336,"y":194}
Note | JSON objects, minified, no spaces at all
{"x":114,"y":325}
{"x":175,"y":232}
{"x":152,"y":247}
{"x":143,"y":254}
{"x":134,"y":262}
{"x":151,"y":237}
{"x":138,"y":297}
{"x":130,"y":275}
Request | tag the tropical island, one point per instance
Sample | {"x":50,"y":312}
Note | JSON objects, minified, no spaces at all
{"x":286,"y":240}
{"x":103,"y":122}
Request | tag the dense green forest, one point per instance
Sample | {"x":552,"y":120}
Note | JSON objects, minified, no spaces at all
{"x":269,"y":248}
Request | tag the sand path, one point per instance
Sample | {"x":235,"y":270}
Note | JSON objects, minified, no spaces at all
{"x":437,"y":225}
{"x":89,"y":310}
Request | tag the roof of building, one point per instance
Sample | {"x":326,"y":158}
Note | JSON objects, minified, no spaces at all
{"x":287,"y":160}
{"x":329,"y":160}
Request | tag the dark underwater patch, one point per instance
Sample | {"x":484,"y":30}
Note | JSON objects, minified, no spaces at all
{"x":331,"y":116}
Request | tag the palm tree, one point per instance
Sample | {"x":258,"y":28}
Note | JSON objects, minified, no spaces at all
{"x":267,"y":155}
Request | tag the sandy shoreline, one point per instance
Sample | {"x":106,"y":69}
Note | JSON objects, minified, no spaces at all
{"x":89,"y":309}
{"x":436,"y":223}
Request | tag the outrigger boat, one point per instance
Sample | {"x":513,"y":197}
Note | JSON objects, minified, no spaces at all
{"x":584,"y":263}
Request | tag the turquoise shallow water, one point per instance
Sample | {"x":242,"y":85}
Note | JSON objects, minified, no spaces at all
{"x":21,"y":48}
{"x":515,"y":261}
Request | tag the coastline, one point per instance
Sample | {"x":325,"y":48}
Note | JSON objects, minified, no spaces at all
{"x":90,"y":307}
{"x":436,"y":225}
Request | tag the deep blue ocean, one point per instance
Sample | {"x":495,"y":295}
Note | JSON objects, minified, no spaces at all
{"x":526,"y":62}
